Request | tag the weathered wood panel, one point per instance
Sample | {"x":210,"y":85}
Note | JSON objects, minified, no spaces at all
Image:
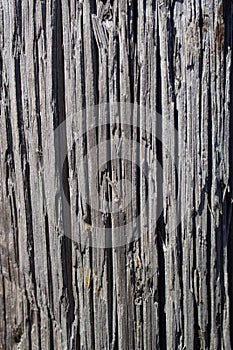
{"x":94,"y":268}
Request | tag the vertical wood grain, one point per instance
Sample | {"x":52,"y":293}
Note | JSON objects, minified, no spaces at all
{"x":172,"y":287}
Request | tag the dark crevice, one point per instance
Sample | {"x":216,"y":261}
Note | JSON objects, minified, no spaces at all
{"x":118,"y":87}
{"x":49,"y":265}
{"x":30,"y":238}
{"x":9,"y":151}
{"x":96,"y":60}
{"x":58,"y":94}
{"x":171,"y":45}
{"x":9,"y":155}
{"x":60,"y":74}
{"x":96,"y":63}
{"x":51,"y":339}
{"x":196,"y":327}
{"x":1,"y":74}
{"x":160,"y":222}
{"x":161,"y":283}
{"x":158,"y":76}
{"x":109,"y":260}
{"x":28,"y":320}
{"x":208,"y":277}
{"x":138,"y":178}
{"x":82,"y":59}
{"x":15,"y":232}
{"x":20,"y":120}
{"x":25,"y":170}
{"x":200,"y":72}
{"x":208,"y":233}
{"x":179,"y":249}
{"x":18,"y":332}
{"x":92,"y":6}
{"x":176,"y":118}
{"x":65,"y":181}
{"x":37,"y":88}
{"x":132,"y":60}
{"x":176,"y":146}
{"x":39,"y":329}
{"x":17,"y":36}
{"x":91,"y":301}
{"x":66,"y":249}
{"x":77,"y":247}
{"x":135,"y":22}
{"x":230,"y":274}
{"x":116,"y":343}
{"x":228,"y":20}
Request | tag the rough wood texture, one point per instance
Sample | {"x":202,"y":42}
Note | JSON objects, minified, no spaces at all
{"x":172,"y":287}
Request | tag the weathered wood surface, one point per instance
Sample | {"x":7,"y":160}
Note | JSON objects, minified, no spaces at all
{"x":173,"y":287}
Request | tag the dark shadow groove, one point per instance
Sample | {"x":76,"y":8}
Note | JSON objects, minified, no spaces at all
{"x":228,"y":20}
{"x":58,"y":93}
